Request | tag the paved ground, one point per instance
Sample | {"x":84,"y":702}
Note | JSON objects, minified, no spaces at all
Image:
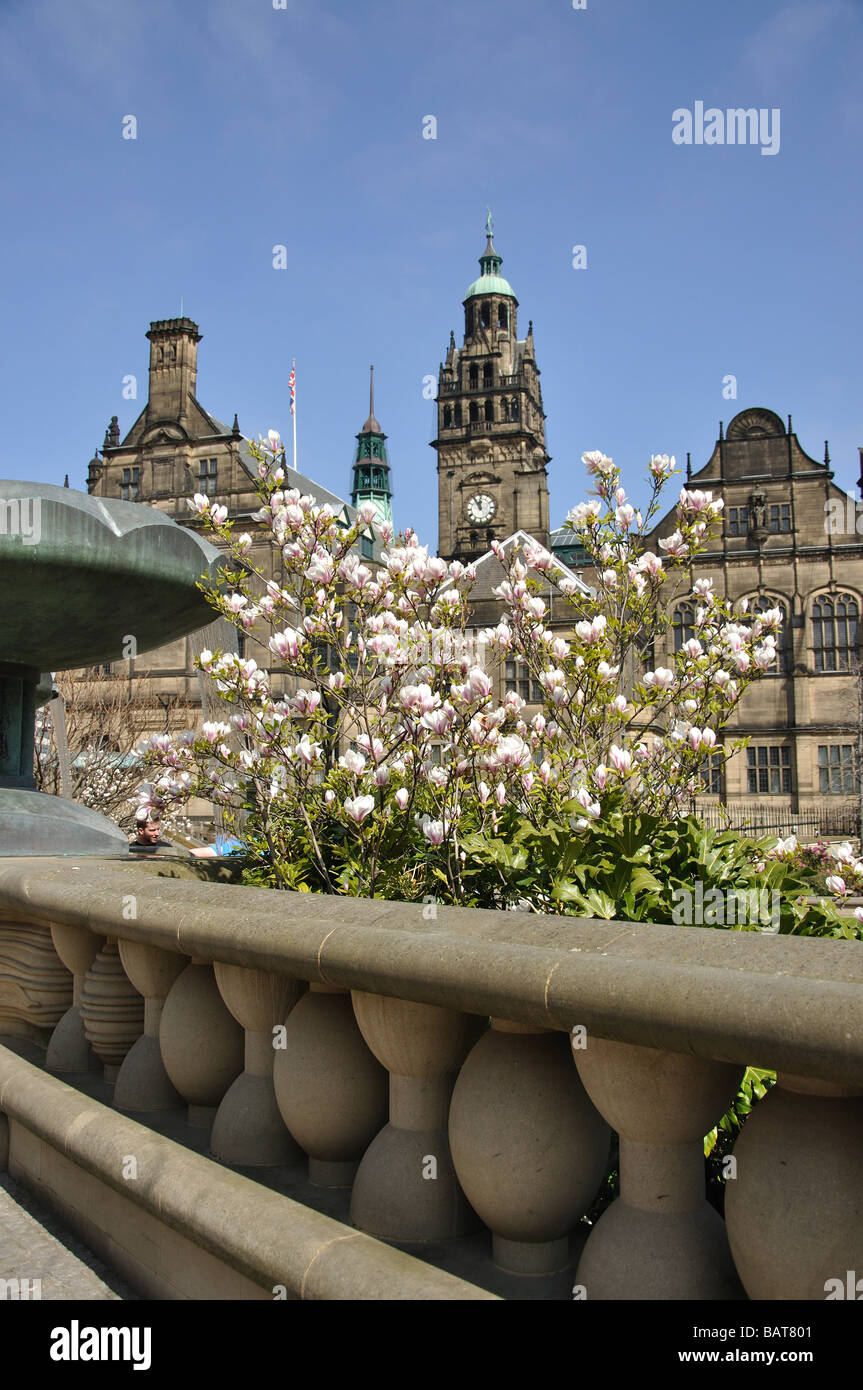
{"x":35,"y":1245}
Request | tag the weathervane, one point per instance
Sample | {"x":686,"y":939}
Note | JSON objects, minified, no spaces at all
{"x":489,"y":225}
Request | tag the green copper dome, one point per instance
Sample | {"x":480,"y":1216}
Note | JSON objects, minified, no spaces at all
{"x":490,"y":284}
{"x":490,"y":281}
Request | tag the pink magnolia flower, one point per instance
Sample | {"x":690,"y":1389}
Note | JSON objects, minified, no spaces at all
{"x":433,"y":830}
{"x":837,"y":885}
{"x":359,"y":808}
{"x":402,"y":797}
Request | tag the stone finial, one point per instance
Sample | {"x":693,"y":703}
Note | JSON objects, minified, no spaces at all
{"x":235,"y":428}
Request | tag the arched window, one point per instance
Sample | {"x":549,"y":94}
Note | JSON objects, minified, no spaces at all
{"x":447,"y":416}
{"x":485,"y":314}
{"x":683,"y":624}
{"x":474,"y":412}
{"x":834,"y":632}
{"x":489,"y":410}
{"x":473,"y":376}
{"x":487,"y":374}
{"x":457,"y":416}
{"x":473,"y":540}
{"x":513,"y":408}
{"x":502,"y":317}
{"x":783,"y":643}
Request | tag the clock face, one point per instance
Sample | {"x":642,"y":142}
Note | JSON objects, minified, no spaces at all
{"x":481,"y":508}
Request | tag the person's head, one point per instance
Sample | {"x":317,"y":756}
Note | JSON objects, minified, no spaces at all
{"x":148,"y":831}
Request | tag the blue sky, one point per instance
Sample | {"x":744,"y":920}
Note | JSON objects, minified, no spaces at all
{"x":303,"y":126}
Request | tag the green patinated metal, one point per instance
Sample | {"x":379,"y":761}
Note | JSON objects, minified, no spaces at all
{"x":84,"y":580}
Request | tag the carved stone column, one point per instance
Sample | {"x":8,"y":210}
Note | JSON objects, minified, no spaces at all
{"x":112,"y":1009}
{"x":406,"y":1187}
{"x":143,"y":1084}
{"x":529,"y":1148}
{"x":330,"y":1090}
{"x":660,"y":1239}
{"x":249,"y":1130}
{"x":69,"y":1050}
{"x":201,"y":1042}
{"x":795,"y":1208}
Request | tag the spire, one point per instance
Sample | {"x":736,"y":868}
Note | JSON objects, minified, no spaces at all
{"x":66,"y":481}
{"x":371,"y":426}
{"x":235,"y":429}
{"x":689,"y":467}
{"x":827,"y":453}
{"x":371,"y":480}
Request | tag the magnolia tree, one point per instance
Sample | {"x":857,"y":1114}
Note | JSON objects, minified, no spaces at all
{"x":383,"y":747}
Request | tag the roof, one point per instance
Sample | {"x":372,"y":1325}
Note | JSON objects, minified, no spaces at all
{"x":561,"y":571}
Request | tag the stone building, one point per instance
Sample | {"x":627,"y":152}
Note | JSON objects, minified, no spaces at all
{"x":176,"y":448}
{"x":490,"y":444}
{"x":790,"y":540}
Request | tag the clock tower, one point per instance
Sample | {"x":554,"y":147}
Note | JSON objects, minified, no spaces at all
{"x":490,"y":441}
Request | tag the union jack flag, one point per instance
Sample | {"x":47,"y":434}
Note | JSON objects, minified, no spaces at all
{"x":293,"y":392}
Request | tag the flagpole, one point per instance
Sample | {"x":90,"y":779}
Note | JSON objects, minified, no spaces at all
{"x":294,"y":407}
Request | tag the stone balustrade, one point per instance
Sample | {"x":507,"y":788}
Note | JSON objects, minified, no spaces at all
{"x":458,"y":1080}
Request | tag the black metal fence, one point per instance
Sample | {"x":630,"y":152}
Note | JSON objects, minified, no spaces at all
{"x":757,"y":818}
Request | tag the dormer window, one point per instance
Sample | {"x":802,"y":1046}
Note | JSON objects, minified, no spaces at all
{"x":129,"y":487}
{"x":207,"y":474}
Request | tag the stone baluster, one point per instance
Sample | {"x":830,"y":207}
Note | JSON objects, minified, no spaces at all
{"x":69,"y":1050}
{"x":330,"y":1090}
{"x":529,"y":1148}
{"x":112,"y":1009}
{"x":660,"y":1239}
{"x":202,"y":1044}
{"x":143,"y":1084}
{"x":794,"y":1207}
{"x":248,"y":1129}
{"x":35,"y":985}
{"x":406,"y":1187}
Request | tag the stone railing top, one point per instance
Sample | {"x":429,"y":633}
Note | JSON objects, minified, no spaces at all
{"x":795,"y":1005}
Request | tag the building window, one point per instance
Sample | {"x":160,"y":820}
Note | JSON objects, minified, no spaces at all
{"x":129,"y":488}
{"x":836,"y":768}
{"x":474,"y":540}
{"x":207,"y":471}
{"x":473,"y":412}
{"x":367,"y":547}
{"x":780,"y":517}
{"x":489,"y":410}
{"x":513,"y":409}
{"x":447,"y":417}
{"x":468,"y":321}
{"x":473,"y":376}
{"x":457,"y":417}
{"x":834,"y":632}
{"x":487,"y":375}
{"x":519,"y":680}
{"x":738,"y":521}
{"x":485,"y":314}
{"x":502,"y":317}
{"x":683,"y":625}
{"x":241,"y":643}
{"x":761,"y":605}
{"x":710,"y":773}
{"x":768,"y":769}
